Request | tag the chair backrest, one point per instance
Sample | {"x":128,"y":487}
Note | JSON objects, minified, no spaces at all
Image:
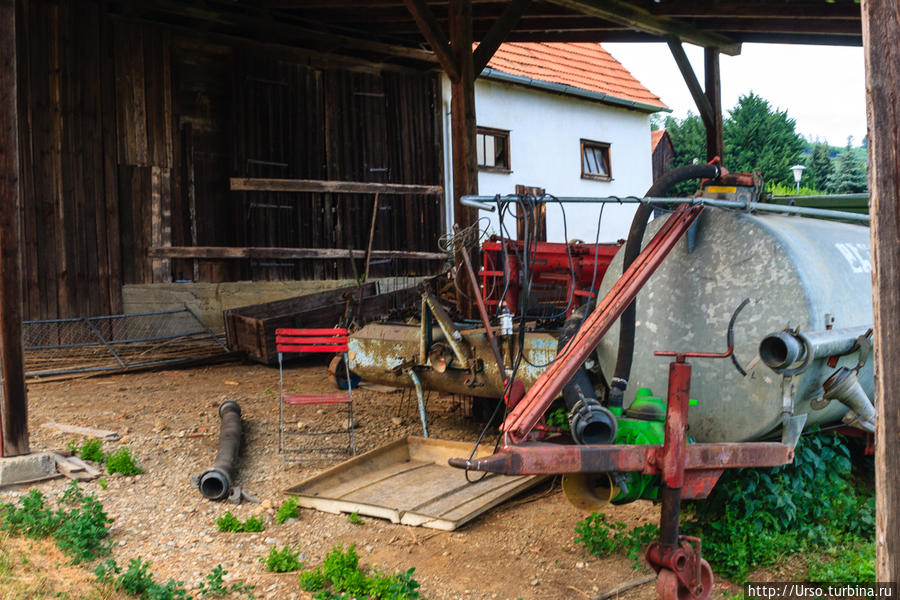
{"x":311,"y":340}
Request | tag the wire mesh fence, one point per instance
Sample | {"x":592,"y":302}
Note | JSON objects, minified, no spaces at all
{"x":117,"y":342}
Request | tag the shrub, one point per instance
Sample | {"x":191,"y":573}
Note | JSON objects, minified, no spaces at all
{"x":756,"y":516}
{"x":122,"y":461}
{"x":214,"y":585}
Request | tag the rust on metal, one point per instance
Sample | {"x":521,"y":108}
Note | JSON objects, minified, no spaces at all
{"x":529,"y":411}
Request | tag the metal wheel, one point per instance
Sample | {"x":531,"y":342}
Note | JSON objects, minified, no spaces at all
{"x":669,"y":588}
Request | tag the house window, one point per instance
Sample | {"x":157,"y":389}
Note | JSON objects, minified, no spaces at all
{"x":492,"y":149}
{"x":595,"y":161}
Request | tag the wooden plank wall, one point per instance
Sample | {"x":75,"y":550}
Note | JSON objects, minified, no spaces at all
{"x":129,"y":133}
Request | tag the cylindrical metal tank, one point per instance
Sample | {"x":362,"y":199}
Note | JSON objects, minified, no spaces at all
{"x":798,"y":273}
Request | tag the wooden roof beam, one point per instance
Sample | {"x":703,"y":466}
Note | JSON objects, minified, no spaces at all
{"x":629,"y":15}
{"x":434,"y":34}
{"x":498,"y":33}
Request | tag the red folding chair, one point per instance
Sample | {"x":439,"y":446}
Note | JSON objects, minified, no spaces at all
{"x":305,"y":341}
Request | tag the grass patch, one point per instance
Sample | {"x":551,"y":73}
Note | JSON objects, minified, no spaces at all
{"x":340,"y":578}
{"x":38,"y":570}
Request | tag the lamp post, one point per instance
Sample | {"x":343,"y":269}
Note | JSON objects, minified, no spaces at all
{"x":797,"y":170}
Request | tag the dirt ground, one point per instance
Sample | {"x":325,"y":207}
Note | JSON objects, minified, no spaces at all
{"x":521,"y":549}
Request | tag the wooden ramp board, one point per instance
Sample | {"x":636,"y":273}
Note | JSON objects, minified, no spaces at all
{"x":409,"y":482}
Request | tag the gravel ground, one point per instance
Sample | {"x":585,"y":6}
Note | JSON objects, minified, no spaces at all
{"x":522,"y":549}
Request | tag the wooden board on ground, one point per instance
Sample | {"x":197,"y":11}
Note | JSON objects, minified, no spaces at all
{"x":409,"y":482}
{"x":90,"y":432}
{"x":75,"y":469}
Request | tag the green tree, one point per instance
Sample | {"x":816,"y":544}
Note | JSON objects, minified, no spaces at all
{"x":849,"y":174}
{"x":760,"y":138}
{"x":818,"y":167}
{"x":689,"y":141}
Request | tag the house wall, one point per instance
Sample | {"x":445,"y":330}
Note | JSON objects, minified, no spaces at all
{"x":129,"y":132}
{"x":545,"y":151}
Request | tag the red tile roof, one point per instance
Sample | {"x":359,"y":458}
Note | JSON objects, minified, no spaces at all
{"x":585,"y":66}
{"x":656,"y":137}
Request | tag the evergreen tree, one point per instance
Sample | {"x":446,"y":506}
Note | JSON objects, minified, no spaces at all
{"x":758,"y":138}
{"x":849,"y":173}
{"x":689,"y":141}
{"x":818,"y":167}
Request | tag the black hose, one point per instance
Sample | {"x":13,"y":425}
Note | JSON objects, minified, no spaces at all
{"x":589,"y":421}
{"x":215,"y":483}
{"x":632,"y":249}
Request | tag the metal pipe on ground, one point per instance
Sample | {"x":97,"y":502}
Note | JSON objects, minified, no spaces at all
{"x":215,"y":483}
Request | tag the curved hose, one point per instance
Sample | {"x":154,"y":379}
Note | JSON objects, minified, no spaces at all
{"x":589,"y":421}
{"x":632,"y":249}
{"x":216,"y":482}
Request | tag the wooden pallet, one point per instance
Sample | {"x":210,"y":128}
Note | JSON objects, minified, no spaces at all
{"x":409,"y":482}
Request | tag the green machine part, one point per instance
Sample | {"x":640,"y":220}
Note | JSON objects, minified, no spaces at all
{"x":642,"y":423}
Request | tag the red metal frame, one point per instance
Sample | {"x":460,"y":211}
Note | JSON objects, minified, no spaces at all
{"x":529,"y":411}
{"x":687,"y":471}
{"x":550,"y":267}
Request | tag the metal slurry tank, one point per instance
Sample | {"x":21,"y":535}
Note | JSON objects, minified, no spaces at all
{"x":798,"y":273}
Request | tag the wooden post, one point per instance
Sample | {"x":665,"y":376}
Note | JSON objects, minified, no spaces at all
{"x":462,"y":110}
{"x":14,"y":406}
{"x":881,"y":30}
{"x":715,"y":146}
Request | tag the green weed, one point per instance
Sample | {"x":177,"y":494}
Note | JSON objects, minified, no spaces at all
{"x":287,"y":510}
{"x":138,"y":581}
{"x":92,"y":450}
{"x":602,"y":538}
{"x":340,"y":578}
{"x":122,"y":461}
{"x":755,"y":517}
{"x":558,"y":417}
{"x":214,"y":585}
{"x":79,"y":532}
{"x":282,"y":561}
{"x":229,"y":523}
{"x":355,"y":518}
{"x":103,"y":483}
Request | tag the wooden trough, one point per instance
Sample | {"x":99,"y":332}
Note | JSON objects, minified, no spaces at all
{"x":409,"y":482}
{"x":251,"y":329}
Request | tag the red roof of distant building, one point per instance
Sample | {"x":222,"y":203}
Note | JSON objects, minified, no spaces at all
{"x":584,"y":66}
{"x":656,"y":137}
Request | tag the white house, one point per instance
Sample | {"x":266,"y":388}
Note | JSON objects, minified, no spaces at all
{"x":567,"y":118}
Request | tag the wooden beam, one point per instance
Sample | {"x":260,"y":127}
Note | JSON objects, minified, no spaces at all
{"x":14,"y":407}
{"x":687,"y":72}
{"x":247,"y":184}
{"x":229,"y":252}
{"x":462,"y":112}
{"x":632,"y":16}
{"x":881,"y":30}
{"x":434,"y":34}
{"x":715,"y":144}
{"x":498,"y":33}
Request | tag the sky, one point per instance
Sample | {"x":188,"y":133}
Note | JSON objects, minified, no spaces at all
{"x":821,"y":87}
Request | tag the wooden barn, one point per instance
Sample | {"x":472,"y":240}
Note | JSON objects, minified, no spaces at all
{"x":147,"y":148}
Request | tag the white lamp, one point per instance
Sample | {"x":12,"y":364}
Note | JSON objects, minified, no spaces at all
{"x":797,"y":170}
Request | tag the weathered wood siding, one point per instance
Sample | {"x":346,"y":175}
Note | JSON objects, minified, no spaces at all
{"x":129,"y":132}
